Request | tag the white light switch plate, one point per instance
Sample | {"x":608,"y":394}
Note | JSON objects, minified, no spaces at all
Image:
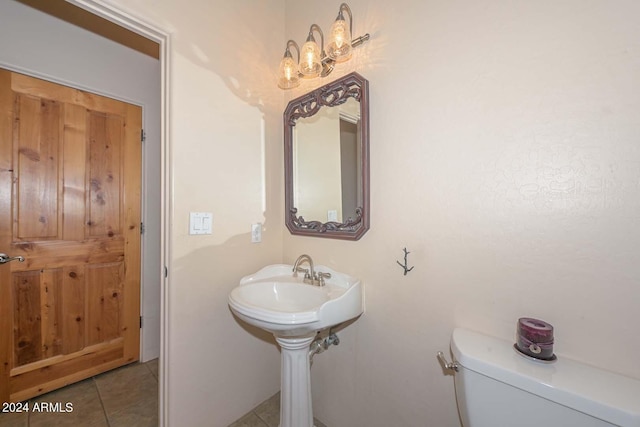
{"x":200,"y":222}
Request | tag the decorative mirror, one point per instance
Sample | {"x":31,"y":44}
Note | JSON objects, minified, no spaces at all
{"x":327,"y":160}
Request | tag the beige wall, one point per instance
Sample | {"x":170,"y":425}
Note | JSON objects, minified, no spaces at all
{"x":505,"y":157}
{"x":226,"y":158}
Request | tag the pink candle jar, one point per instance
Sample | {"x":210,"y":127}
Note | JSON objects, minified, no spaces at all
{"x":535,"y":338}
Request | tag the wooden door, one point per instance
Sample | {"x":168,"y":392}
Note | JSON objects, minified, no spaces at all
{"x":70,"y":178}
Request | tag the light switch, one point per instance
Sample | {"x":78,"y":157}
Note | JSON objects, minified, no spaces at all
{"x":206,"y":224}
{"x":200,"y":222}
{"x":332,"y":215}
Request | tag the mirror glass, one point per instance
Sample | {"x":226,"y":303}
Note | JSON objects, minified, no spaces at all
{"x":327,"y":169}
{"x":326,"y":163}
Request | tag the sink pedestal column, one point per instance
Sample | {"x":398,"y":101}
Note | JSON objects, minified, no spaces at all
{"x":295,"y":382}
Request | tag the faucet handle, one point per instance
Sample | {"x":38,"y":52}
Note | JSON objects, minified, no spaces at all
{"x":322,"y":276}
{"x":307,"y":275}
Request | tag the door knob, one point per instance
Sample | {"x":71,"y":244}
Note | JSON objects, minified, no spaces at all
{"x":4,"y":258}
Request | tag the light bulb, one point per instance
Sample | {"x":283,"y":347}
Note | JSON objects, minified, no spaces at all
{"x":288,"y":73}
{"x":339,"y":46}
{"x":310,"y":65}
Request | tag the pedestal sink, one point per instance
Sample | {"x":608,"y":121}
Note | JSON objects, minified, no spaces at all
{"x":294,"y":311}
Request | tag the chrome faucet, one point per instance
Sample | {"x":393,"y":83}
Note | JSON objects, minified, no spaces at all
{"x":310,"y":275}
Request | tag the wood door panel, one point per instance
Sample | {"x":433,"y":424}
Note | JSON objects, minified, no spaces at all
{"x":37,"y":328}
{"x":73,"y":309}
{"x":26,"y":318}
{"x":70,"y":178}
{"x":104,"y":314}
{"x":51,"y":312}
{"x":53,"y":308}
{"x":74,"y":166}
{"x":105,"y":145}
{"x":37,"y":169}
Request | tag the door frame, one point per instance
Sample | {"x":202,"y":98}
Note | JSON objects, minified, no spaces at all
{"x":163,"y":38}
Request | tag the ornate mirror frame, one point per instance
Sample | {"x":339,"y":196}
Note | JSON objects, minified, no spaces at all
{"x":332,"y":94}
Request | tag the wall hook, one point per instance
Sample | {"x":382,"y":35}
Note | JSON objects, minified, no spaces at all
{"x":405,"y":265}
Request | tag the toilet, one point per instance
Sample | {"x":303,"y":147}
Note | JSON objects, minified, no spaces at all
{"x":498,"y":387}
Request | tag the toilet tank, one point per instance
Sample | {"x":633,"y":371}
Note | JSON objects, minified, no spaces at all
{"x":497,"y":387}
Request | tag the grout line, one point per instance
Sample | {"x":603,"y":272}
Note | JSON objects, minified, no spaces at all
{"x":104,"y":410}
{"x":152,"y":373}
{"x":260,"y":418}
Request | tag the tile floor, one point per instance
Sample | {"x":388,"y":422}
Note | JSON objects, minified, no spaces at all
{"x":124,"y":397}
{"x":267,"y":414}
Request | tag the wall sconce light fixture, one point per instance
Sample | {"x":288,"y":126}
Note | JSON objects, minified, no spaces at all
{"x":313,"y":61}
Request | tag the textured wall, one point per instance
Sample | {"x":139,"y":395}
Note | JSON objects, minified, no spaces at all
{"x":226,"y":158}
{"x":505,"y":157}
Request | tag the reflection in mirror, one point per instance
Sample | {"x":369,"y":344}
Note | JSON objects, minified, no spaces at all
{"x":327,"y":169}
{"x":326,"y":163}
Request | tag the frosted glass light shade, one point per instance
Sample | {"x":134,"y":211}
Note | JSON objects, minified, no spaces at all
{"x":339,"y":47}
{"x":288,"y":73}
{"x":310,"y":61}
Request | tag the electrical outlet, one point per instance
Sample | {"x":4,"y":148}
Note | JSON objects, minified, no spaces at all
{"x":256,"y":233}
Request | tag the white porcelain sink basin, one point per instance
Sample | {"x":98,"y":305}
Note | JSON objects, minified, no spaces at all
{"x":274,"y":300}
{"x":294,"y":311}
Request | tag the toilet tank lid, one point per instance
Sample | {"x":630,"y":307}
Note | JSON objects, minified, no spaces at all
{"x":602,"y":394}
